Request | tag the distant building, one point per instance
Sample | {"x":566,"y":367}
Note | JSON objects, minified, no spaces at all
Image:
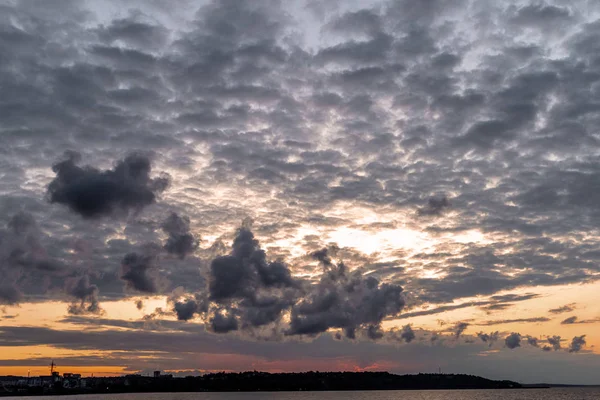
{"x":157,"y":374}
{"x":43,"y":381}
{"x":71,"y":381}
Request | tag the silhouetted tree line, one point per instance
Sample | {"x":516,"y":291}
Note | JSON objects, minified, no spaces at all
{"x":262,"y":381}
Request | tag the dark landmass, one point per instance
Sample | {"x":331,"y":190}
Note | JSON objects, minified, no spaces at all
{"x":555,"y":385}
{"x":256,"y":381}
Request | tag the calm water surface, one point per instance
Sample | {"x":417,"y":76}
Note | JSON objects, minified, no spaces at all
{"x":528,"y":394}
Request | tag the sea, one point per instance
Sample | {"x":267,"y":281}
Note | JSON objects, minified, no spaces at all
{"x":578,"y":393}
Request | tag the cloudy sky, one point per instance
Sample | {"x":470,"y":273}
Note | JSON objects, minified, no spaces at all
{"x":400,"y":185}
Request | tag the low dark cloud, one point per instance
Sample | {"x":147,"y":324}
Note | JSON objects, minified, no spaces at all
{"x":459,"y":328}
{"x":139,"y":271}
{"x":93,"y":193}
{"x":577,"y":344}
{"x":242,"y":273}
{"x":346,"y":300}
{"x":223,"y":323}
{"x":513,"y":340}
{"x":489,"y":338}
{"x":554,"y":341}
{"x":407,"y":334}
{"x":532,"y":341}
{"x":244,"y":289}
{"x":181,"y":241}
{"x":10,"y":294}
{"x":25,"y":263}
{"x":189,"y":307}
{"x":86,"y":296}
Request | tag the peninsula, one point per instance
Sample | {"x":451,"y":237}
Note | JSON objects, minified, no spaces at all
{"x":245,"y":381}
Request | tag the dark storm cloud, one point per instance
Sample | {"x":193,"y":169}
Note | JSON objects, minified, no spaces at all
{"x":246,"y":270}
{"x":187,"y":308}
{"x":220,"y":323}
{"x":139,"y":271}
{"x":346,"y":300}
{"x":180,"y":242}
{"x":247,"y":291}
{"x":513,"y":340}
{"x":10,"y":294}
{"x":244,"y":289}
{"x":374,"y":332}
{"x":25,"y":262}
{"x":94,"y":193}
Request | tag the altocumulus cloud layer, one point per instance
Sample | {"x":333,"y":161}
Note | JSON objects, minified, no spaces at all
{"x":462,"y":135}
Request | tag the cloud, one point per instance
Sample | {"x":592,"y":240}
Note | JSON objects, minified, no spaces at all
{"x":564,"y":309}
{"x":85,"y":293}
{"x":240,"y":274}
{"x":574,"y":320}
{"x":180,"y":241}
{"x":139,"y":272}
{"x":244,"y":287}
{"x":514,"y":321}
{"x":459,"y":328}
{"x":513,"y":340}
{"x":435,"y":206}
{"x":220,"y":323}
{"x":495,"y":302}
{"x":346,"y":300}
{"x":25,"y":264}
{"x":489,"y":338}
{"x":94,"y":193}
{"x":247,"y":291}
{"x":577,"y":344}
{"x":187,"y":308}
{"x":407,"y":334}
{"x":570,"y":320}
{"x":554,"y":341}
{"x":10,"y":294}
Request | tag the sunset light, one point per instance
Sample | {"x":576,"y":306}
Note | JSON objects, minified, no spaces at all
{"x":198,"y":186}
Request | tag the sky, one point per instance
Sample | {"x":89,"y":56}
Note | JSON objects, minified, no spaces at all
{"x":200,"y":186}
